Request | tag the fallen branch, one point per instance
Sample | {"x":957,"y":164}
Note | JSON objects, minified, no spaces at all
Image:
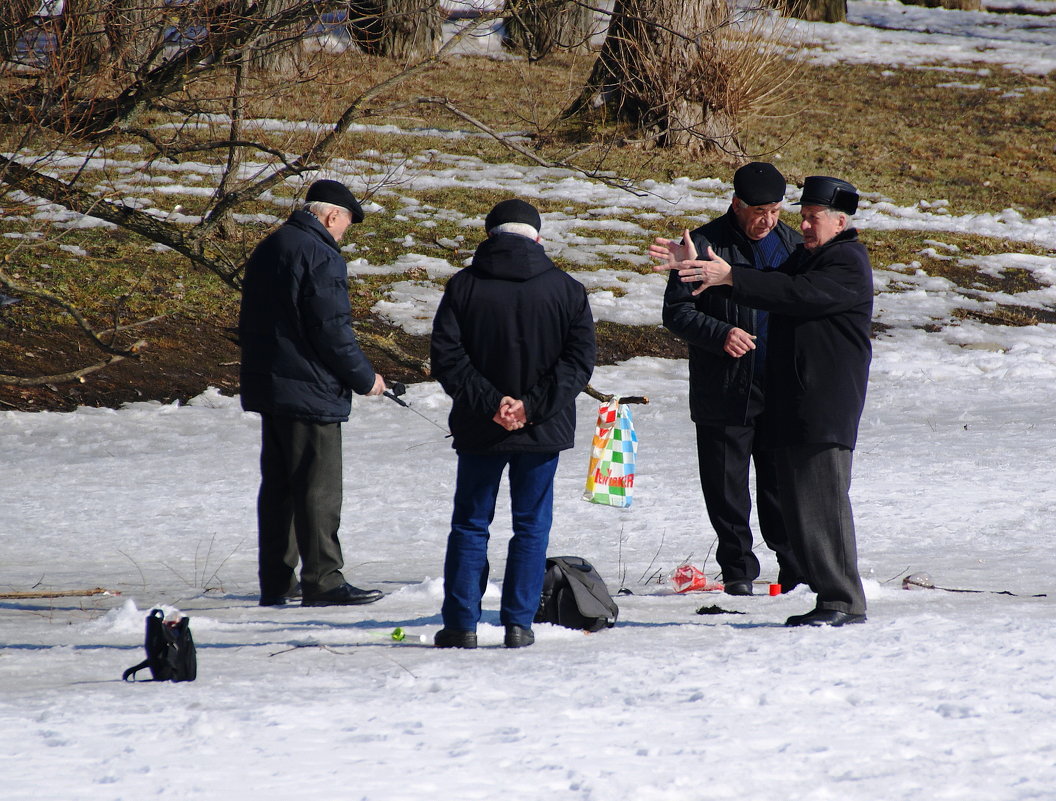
{"x":922,"y":581}
{"x":57,"y":593}
{"x":73,"y":375}
{"x":599,"y":396}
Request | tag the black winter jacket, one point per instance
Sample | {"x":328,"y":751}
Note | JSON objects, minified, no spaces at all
{"x":821,"y":304}
{"x":300,"y":357}
{"x":719,"y":384}
{"x":513,"y":324}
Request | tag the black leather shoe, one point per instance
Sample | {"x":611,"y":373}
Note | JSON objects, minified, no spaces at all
{"x":739,"y":587}
{"x":280,"y":600}
{"x":825,"y":617}
{"x":453,"y":638}
{"x":518,"y":637}
{"x":342,"y":595}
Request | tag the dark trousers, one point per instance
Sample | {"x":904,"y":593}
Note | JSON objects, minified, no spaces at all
{"x":531,"y":477}
{"x":815,"y":483}
{"x":723,"y":454}
{"x":299,"y":506}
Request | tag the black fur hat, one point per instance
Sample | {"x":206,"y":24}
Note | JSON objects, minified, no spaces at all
{"x":820,"y":190}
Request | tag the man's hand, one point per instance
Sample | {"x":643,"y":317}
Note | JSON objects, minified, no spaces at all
{"x":511,"y":414}
{"x":379,"y":385}
{"x":739,"y":342}
{"x":670,"y":253}
{"x":708,"y":272}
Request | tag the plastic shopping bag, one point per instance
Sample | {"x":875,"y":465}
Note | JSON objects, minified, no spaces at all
{"x":610,"y":473}
{"x":687,"y":578}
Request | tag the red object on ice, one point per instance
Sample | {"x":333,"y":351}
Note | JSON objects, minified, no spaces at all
{"x":687,"y":578}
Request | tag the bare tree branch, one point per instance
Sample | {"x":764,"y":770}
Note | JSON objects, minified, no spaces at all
{"x":71,"y":310}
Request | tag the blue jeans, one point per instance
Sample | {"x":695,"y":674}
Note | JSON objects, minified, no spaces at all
{"x":466,"y":564}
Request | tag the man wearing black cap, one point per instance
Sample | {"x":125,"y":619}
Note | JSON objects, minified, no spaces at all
{"x":820,"y":302}
{"x":300,"y":365}
{"x":513,"y":345}
{"x":727,"y":355}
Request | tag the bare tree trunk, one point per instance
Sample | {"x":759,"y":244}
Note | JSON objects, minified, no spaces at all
{"x":14,"y":24}
{"x":130,"y":39}
{"x":538,"y":27}
{"x":404,"y":30}
{"x":818,"y":10}
{"x":275,"y":52}
{"x":660,"y":72}
{"x":82,"y":37}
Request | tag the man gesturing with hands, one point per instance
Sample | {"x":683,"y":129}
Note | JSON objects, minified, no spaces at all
{"x":820,"y":304}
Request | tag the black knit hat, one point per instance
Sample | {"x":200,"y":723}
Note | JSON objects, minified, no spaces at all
{"x":821,"y":190}
{"x":759,"y":183}
{"x":512,"y":211}
{"x":337,"y":194}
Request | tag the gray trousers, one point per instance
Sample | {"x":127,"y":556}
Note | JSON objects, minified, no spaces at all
{"x":299,"y":506}
{"x":815,"y":482}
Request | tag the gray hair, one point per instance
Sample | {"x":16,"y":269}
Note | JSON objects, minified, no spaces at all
{"x":832,"y":211}
{"x":522,"y":229}
{"x":321,"y":208}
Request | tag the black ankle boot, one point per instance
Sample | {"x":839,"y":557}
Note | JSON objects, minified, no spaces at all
{"x":518,"y":637}
{"x":453,"y":638}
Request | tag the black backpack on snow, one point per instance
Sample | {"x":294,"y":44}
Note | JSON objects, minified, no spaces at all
{"x":170,"y":650}
{"x":575,"y":596}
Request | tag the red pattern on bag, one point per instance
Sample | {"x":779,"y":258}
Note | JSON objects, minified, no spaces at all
{"x":687,"y":578}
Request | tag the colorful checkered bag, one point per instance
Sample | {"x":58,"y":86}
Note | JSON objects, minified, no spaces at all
{"x":610,"y":474}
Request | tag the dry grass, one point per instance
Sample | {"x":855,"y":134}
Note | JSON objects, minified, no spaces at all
{"x":895,"y":133}
{"x":898,"y":133}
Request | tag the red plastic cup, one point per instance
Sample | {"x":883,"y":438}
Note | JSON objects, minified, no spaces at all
{"x":775,"y":589}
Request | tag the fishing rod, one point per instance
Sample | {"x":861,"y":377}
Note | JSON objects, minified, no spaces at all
{"x":397,"y":389}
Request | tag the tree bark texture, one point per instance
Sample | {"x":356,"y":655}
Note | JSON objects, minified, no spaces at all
{"x":275,"y":51}
{"x":538,"y":27}
{"x":15,"y":24}
{"x":403,"y":30}
{"x":661,"y":72}
{"x":818,"y":10}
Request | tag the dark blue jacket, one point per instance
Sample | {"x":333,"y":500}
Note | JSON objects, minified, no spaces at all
{"x":821,"y":304}
{"x":300,"y":357}
{"x":719,"y":384}
{"x":513,"y":324}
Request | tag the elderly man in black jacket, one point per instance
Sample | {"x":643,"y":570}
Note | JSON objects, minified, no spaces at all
{"x":300,"y":365}
{"x":821,"y":302}
{"x":727,"y":396}
{"x":512,"y":344}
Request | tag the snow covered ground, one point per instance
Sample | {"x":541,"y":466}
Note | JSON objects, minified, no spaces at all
{"x":942,"y":694}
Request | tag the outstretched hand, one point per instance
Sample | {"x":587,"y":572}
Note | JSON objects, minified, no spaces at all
{"x":682,"y":256}
{"x":670,"y":253}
